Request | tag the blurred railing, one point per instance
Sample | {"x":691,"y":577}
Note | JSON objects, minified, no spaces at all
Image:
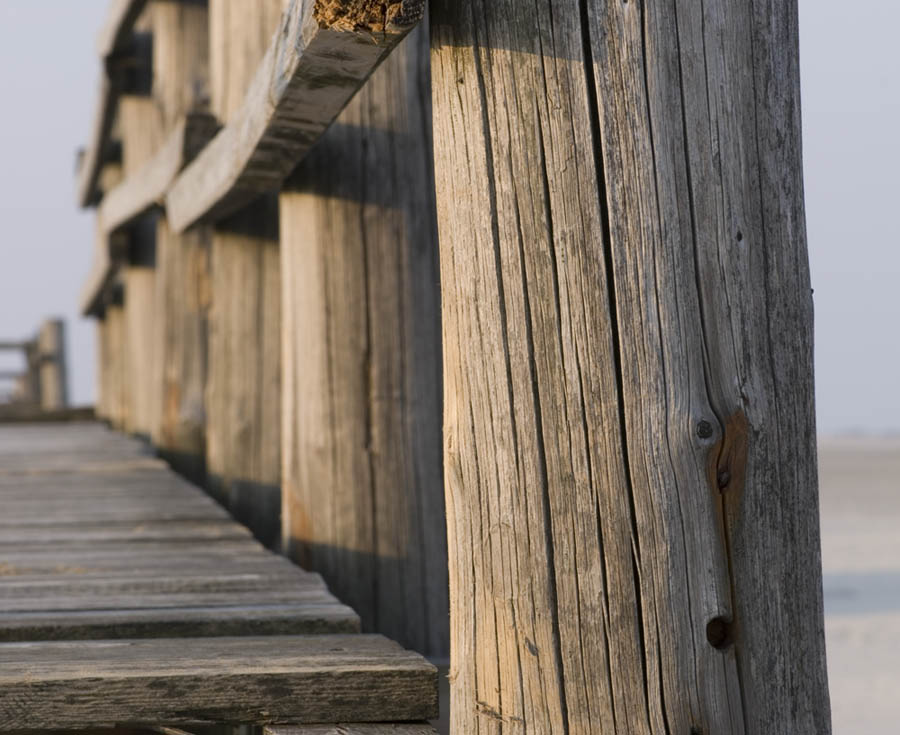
{"x":42,"y":387}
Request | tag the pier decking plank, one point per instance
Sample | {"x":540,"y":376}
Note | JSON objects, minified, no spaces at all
{"x":100,"y":539}
{"x":301,"y":679}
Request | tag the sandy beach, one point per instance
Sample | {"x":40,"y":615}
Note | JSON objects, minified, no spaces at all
{"x":860,"y":501}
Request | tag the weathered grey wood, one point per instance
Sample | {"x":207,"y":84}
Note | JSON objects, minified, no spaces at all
{"x":146,"y":187}
{"x":142,"y":132}
{"x":320,"y":55}
{"x":117,"y":402}
{"x":307,"y":618}
{"x":134,"y":551}
{"x":243,"y":394}
{"x":212,"y":680}
{"x":53,"y":371}
{"x":352,"y":729}
{"x":181,"y":87}
{"x":629,"y":431}
{"x":362,"y":485}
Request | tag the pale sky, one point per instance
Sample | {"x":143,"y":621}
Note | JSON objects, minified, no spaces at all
{"x":851,"y":114}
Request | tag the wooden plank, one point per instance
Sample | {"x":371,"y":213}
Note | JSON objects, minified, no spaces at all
{"x":213,"y":680}
{"x":26,"y":415}
{"x":146,"y":188}
{"x":306,"y":618}
{"x":363,"y":483}
{"x":356,"y":728}
{"x":317,"y":60}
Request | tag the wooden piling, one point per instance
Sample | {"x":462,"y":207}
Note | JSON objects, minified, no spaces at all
{"x":627,"y":318}
{"x":244,"y":381}
{"x":362,"y":480}
{"x":181,"y":87}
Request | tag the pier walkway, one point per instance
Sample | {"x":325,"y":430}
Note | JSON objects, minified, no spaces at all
{"x":130,"y":599}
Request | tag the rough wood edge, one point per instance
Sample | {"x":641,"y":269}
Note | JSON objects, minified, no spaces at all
{"x":148,"y":186}
{"x":99,"y":278}
{"x":92,"y":160}
{"x":351,"y":728}
{"x":28,"y":415}
{"x":309,"y":73}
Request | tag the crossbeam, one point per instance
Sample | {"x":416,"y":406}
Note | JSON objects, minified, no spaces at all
{"x":319,"y":58}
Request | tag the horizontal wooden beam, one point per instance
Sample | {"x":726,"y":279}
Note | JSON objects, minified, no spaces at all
{"x":13,"y":345}
{"x":344,"y":728}
{"x":147,"y":187}
{"x":252,"y":680}
{"x":34,"y":414}
{"x":319,"y":58}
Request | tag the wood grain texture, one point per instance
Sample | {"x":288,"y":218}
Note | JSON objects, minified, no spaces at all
{"x":629,"y":421}
{"x":257,"y":680}
{"x":140,"y":126}
{"x":243,"y":396}
{"x":351,"y":729}
{"x":112,"y":547}
{"x":183,"y":293}
{"x":316,"y":61}
{"x":362,"y":480}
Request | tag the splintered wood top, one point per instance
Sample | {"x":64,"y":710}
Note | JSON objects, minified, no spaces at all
{"x":99,"y":539}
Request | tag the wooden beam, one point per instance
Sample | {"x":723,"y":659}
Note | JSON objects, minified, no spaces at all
{"x":382,"y":728}
{"x":147,"y":187}
{"x":318,"y":59}
{"x":13,"y":345}
{"x":303,"y":679}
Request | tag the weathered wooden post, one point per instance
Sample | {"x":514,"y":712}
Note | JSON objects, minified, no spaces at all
{"x":629,"y":424}
{"x":115,"y":401}
{"x":362,"y":480}
{"x":244,"y":388}
{"x":180,"y":88}
{"x":51,"y":343}
{"x":140,"y":128}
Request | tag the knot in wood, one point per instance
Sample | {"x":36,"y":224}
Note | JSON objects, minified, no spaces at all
{"x":704,"y":430}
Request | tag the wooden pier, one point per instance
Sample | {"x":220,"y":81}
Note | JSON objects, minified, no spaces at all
{"x":130,"y":598}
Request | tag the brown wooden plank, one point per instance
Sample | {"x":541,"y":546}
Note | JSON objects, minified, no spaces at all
{"x":225,"y":680}
{"x":356,"y":728}
{"x":306,"y":618}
